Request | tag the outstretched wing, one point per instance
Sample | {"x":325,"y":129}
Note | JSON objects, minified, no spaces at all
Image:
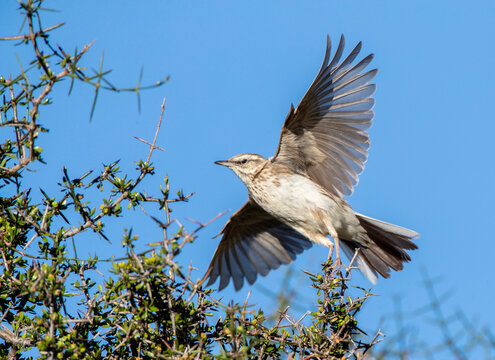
{"x":253,"y":242}
{"x":325,"y":136}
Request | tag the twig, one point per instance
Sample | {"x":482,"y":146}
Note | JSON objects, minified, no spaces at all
{"x":31,"y":36}
{"x":152,"y":145}
{"x":148,"y":143}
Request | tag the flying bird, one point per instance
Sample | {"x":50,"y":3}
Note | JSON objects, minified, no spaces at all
{"x":296,"y":197}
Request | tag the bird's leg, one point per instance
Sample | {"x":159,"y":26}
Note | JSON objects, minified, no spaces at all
{"x":330,"y":251}
{"x":337,"y":250}
{"x":335,"y":237}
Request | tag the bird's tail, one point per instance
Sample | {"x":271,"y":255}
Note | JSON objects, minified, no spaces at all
{"x":385,"y":251}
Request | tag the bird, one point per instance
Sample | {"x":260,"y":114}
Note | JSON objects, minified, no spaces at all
{"x":297,"y":197}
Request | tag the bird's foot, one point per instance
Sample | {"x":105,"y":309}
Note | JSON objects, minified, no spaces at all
{"x":338,"y":262}
{"x":330,"y":252}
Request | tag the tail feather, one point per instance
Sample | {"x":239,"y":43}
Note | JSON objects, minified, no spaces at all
{"x":385,"y":248}
{"x":363,"y":265}
{"x":401,"y":236}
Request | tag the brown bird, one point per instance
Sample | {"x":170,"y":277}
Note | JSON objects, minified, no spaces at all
{"x":296,"y":197}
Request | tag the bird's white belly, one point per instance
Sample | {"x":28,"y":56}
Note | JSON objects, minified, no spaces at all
{"x":300,"y":203}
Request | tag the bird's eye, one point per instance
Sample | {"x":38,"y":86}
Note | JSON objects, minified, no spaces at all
{"x":243,"y":161}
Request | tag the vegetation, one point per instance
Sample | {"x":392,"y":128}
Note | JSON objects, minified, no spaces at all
{"x":57,"y":305}
{"x":148,"y":307}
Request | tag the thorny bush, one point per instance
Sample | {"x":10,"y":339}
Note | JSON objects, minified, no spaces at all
{"x":148,"y":307}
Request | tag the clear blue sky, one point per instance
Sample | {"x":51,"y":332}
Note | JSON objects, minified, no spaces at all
{"x":235,"y":68}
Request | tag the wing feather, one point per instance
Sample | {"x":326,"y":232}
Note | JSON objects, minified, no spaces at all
{"x":255,"y":258}
{"x":247,"y":267}
{"x":253,"y":242}
{"x":325,"y":136}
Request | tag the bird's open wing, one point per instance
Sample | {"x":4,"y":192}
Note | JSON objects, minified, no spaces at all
{"x":325,"y":136}
{"x":253,"y":242}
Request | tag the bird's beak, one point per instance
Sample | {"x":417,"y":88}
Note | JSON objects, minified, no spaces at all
{"x":223,"y":162}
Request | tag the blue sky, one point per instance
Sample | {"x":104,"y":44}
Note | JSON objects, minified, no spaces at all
{"x":236,"y":67}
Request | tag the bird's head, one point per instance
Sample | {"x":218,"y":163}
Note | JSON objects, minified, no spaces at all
{"x":246,"y":166}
